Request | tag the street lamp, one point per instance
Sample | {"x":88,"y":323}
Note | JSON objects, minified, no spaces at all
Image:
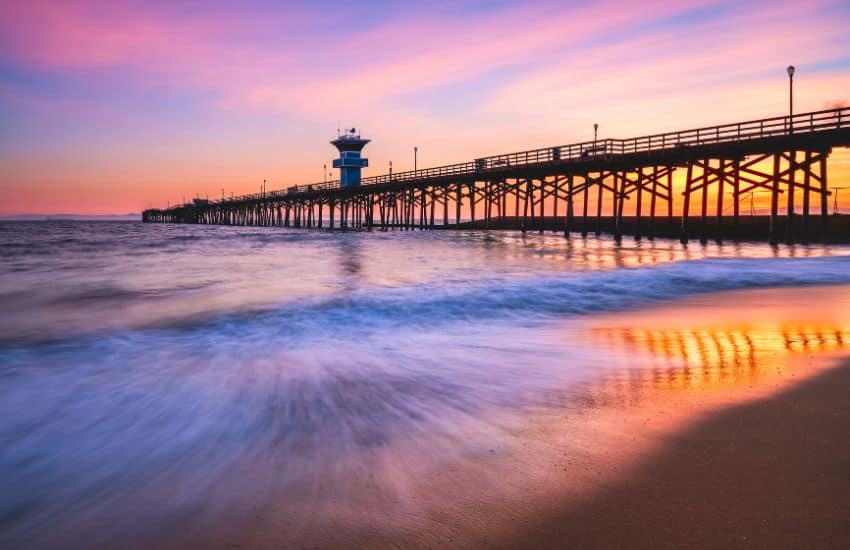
{"x":790,"y":71}
{"x":391,"y":169}
{"x":325,"y":173}
{"x":415,"y":151}
{"x":595,"y":130}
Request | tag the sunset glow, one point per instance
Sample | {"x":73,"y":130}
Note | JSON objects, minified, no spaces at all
{"x":110,"y":107}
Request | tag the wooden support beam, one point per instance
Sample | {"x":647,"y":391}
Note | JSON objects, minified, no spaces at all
{"x":488,"y":202}
{"x":774,"y":200}
{"x":472,"y":191}
{"x":703,"y":237}
{"x":652,"y":202}
{"x":516,"y":200}
{"x":525,"y":206}
{"x":599,"y":188}
{"x":683,"y":236}
{"x":824,"y":207}
{"x":639,"y":203}
{"x":619,"y":199}
{"x":585,"y":193}
{"x":458,"y":197}
{"x":736,"y":189}
{"x":807,"y":191}
{"x":503,"y":209}
{"x":568,"y":224}
{"x":789,"y":208}
{"x":445,"y":205}
{"x":557,"y":188}
{"x":721,"y":180}
{"x":542,"y":202}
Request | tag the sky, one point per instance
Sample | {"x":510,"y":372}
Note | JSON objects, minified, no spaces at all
{"x":109,"y":107}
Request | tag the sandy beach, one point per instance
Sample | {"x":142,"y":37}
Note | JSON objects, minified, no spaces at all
{"x":774,"y":473}
{"x":740,"y":437}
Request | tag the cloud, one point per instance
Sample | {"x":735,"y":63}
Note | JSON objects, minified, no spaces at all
{"x":196,"y":95}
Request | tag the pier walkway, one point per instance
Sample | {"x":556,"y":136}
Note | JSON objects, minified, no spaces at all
{"x":584,"y":187}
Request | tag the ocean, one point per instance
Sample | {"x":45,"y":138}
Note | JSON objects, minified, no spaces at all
{"x":160,"y":381}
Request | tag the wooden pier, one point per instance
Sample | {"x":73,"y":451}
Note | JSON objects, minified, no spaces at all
{"x":584,"y":188}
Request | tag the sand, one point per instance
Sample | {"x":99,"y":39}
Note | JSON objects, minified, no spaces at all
{"x":774,"y":473}
{"x":748,"y":447}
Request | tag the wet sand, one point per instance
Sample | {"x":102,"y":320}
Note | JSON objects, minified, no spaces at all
{"x":774,"y":473}
{"x":735,"y":434}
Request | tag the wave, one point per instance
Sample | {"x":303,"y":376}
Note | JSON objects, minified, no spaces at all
{"x":498,"y":299}
{"x":292,"y":392}
{"x":534,"y":299}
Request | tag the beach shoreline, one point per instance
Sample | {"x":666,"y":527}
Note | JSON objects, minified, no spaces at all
{"x":314,"y":426}
{"x":769,"y":473}
{"x":716,"y":454}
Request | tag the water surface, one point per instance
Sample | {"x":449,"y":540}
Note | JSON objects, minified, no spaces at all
{"x":159,"y":379}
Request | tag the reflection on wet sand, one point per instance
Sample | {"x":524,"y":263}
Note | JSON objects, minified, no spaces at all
{"x":727,"y":427}
{"x":710,"y":346}
{"x":698,"y":358}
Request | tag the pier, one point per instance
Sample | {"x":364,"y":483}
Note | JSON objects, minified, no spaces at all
{"x":584,"y":188}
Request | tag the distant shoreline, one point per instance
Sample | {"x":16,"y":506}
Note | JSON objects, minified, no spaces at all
{"x":71,"y":218}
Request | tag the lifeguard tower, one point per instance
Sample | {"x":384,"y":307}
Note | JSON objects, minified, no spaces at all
{"x":350,"y":144}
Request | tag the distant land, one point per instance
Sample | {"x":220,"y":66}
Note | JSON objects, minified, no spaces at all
{"x":71,"y":217}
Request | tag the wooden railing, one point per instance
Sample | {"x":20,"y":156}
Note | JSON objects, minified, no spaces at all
{"x":739,"y":132}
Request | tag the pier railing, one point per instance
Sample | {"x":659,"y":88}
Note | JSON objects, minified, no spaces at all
{"x":739,"y":132}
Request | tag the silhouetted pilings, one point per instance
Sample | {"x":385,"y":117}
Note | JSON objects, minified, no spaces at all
{"x":749,"y":228}
{"x":583,"y":188}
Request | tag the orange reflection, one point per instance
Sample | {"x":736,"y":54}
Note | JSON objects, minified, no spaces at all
{"x":698,"y":359}
{"x":714,"y":349}
{"x":739,"y":339}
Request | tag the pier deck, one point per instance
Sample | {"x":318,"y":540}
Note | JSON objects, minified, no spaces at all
{"x":584,"y":187}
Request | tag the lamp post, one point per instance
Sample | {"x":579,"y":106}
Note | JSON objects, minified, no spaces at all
{"x":790,"y":71}
{"x":391,"y":169}
{"x":415,"y":151}
{"x":595,"y":130}
{"x":324,"y":173}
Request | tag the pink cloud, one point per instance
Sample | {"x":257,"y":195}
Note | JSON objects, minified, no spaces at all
{"x":564,"y":67}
